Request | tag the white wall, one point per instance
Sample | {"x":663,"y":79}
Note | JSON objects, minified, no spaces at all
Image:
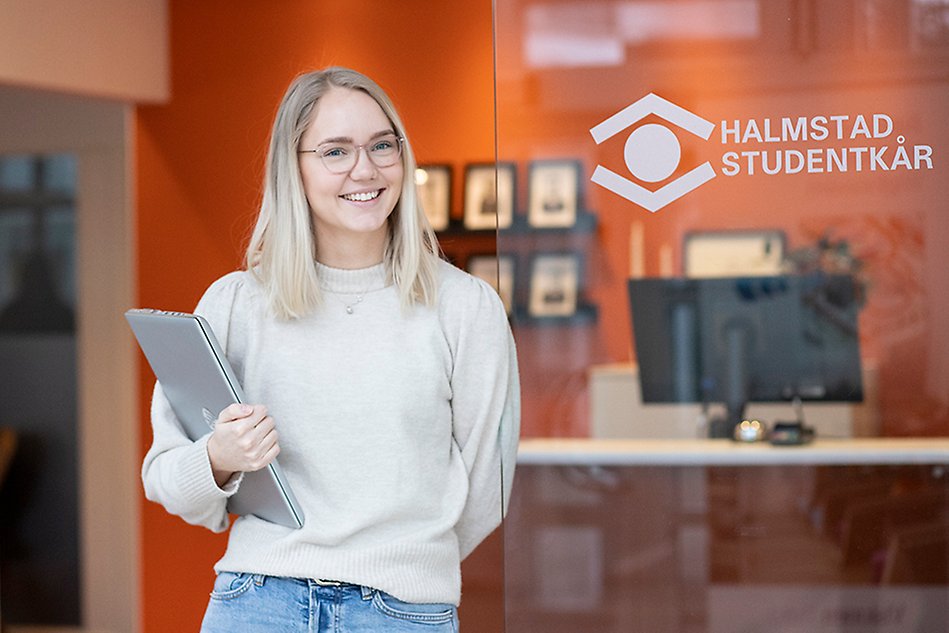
{"x":116,"y":49}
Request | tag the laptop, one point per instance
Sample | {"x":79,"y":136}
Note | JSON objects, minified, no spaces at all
{"x":199,"y":383}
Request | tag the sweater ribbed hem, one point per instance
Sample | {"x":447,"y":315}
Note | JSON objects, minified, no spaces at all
{"x":419,"y":573}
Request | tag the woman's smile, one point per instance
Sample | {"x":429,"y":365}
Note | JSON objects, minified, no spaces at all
{"x":362,"y":196}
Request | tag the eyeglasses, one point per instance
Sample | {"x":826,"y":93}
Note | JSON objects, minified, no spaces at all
{"x":341,"y":157}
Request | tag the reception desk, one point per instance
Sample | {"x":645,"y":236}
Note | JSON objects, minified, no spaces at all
{"x":714,"y":536}
{"x":721,"y":452}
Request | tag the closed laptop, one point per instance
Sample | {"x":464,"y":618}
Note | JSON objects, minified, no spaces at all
{"x":199,"y":383}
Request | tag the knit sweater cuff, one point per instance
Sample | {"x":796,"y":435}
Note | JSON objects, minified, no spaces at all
{"x":197,"y":478}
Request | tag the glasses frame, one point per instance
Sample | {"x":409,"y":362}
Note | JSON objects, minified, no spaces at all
{"x":356,"y":147}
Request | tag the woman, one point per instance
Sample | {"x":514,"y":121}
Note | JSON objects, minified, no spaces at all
{"x":390,"y":376}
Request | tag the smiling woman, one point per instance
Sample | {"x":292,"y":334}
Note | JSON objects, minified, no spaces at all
{"x":395,"y":408}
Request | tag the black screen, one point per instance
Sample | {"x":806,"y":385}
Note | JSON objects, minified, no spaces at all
{"x":748,"y":339}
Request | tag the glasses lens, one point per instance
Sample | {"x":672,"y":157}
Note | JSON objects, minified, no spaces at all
{"x":340,"y":158}
{"x":385,"y":151}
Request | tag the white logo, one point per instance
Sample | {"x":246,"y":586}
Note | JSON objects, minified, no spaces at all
{"x":209,"y":417}
{"x":652,"y":152}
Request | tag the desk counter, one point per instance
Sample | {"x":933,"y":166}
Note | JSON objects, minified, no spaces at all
{"x":723,"y":452}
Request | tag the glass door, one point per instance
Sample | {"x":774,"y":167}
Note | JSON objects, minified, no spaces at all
{"x":724,"y":211}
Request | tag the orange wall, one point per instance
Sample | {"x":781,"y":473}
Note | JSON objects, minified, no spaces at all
{"x":200,"y":162}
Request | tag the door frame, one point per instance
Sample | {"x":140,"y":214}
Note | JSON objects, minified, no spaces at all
{"x":100,"y":134}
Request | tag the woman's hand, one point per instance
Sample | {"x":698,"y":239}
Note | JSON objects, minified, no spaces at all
{"x":244,"y":440}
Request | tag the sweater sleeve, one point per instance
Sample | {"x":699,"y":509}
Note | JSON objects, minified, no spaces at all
{"x":485,"y":410}
{"x":176,"y":471}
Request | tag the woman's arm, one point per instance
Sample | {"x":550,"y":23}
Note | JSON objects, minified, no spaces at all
{"x":485,"y":412}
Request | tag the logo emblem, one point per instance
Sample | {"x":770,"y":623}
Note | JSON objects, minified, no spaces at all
{"x":209,"y":417}
{"x":652,"y":152}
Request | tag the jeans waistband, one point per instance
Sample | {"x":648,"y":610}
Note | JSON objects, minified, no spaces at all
{"x":325,"y":584}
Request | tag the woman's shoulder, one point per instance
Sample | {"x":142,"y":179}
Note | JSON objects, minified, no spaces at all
{"x":460,"y":290}
{"x":454,"y":280}
{"x":239,"y":285}
{"x":233,"y":279}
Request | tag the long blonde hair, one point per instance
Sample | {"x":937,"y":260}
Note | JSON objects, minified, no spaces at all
{"x":282,"y":249}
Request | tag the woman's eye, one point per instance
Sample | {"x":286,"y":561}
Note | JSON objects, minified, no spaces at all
{"x":334,"y":152}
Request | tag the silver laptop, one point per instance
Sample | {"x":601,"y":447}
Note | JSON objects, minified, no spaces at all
{"x":199,"y":383}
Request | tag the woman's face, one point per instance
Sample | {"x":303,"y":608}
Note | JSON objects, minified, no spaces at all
{"x":351,"y":207}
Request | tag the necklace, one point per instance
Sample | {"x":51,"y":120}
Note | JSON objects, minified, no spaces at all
{"x":350,"y":306}
{"x":344,"y":285}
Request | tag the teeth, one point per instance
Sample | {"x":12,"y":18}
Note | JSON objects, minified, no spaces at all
{"x":362,"y":197}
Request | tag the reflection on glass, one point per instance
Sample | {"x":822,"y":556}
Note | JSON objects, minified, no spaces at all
{"x":797,"y":120}
{"x":823,"y":549}
{"x":821,"y":122}
{"x":577,"y":34}
{"x":39,"y":522}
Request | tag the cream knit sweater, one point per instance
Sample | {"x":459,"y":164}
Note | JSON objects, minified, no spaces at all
{"x":398,"y":431}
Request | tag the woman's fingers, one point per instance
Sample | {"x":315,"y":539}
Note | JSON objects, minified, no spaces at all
{"x":267,"y":450}
{"x":244,"y":439}
{"x":234,"y":412}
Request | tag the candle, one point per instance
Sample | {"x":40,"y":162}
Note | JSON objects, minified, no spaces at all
{"x":637,"y":251}
{"x":665,"y":260}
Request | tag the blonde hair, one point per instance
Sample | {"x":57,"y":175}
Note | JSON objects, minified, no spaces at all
{"x":282,"y":249}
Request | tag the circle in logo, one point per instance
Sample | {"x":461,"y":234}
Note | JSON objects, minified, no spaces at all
{"x":652,"y":152}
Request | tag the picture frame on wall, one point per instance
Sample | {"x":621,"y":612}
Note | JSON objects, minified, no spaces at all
{"x":554,"y":285}
{"x":553,"y":193}
{"x":497,"y":270}
{"x":733,"y":253}
{"x":434,"y":193}
{"x":489,"y":196}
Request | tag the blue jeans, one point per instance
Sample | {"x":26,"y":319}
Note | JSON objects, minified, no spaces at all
{"x":256,"y":603}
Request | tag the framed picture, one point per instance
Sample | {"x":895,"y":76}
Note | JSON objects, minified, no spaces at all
{"x":497,"y":270}
{"x":554,"y":285}
{"x":489,"y":195}
{"x":434,"y":193}
{"x":733,"y":253}
{"x":553,"y":196}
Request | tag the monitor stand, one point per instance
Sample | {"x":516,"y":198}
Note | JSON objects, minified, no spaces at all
{"x":734,"y":381}
{"x":723,"y":426}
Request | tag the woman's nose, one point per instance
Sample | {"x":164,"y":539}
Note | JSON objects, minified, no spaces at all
{"x":364,"y":167}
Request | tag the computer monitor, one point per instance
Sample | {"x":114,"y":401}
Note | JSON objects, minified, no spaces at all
{"x":746,"y":339}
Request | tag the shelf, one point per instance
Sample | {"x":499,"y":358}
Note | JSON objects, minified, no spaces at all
{"x":586,"y":223}
{"x":586,"y":314}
